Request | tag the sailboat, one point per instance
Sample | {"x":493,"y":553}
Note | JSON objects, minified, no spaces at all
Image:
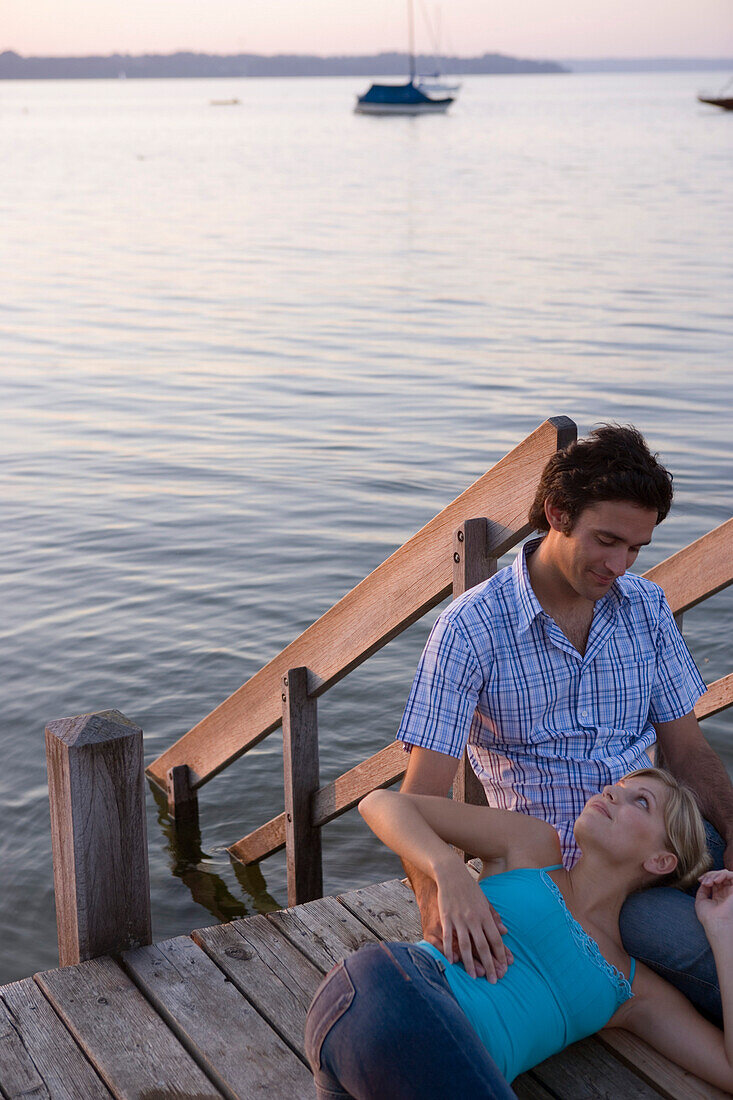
{"x":723,"y":98}
{"x":402,"y":99}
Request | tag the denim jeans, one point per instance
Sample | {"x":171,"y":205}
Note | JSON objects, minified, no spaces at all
{"x":384,"y":1025}
{"x":659,"y":928}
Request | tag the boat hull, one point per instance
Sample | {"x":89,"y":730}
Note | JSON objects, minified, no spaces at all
{"x":726,"y":102}
{"x":436,"y":108}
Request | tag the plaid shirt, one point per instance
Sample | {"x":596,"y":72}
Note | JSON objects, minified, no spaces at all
{"x":545,"y":727}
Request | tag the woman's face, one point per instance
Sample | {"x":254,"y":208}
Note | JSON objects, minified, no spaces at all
{"x":627,"y":819}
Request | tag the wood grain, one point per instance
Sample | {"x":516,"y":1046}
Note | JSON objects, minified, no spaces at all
{"x":301,"y":779}
{"x":389,"y":909}
{"x":402,"y":589}
{"x":669,"y":1079}
{"x":587,"y":1071}
{"x":323,"y":930}
{"x":698,"y":571}
{"x":38,"y":1057}
{"x":239,"y":1051}
{"x":718,"y":696}
{"x":96,"y":790}
{"x":268,"y":969}
{"x":134,"y":1052}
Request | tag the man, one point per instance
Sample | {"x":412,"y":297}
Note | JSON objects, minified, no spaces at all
{"x":560,"y":673}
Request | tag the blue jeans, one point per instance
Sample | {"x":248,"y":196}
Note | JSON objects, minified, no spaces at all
{"x":384,"y":1025}
{"x":659,"y":927}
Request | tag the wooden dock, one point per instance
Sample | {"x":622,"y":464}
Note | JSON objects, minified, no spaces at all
{"x":221,"y":1013}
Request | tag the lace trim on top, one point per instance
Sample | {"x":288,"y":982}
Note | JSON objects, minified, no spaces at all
{"x":588,"y":945}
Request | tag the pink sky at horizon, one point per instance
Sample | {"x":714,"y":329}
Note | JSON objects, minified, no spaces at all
{"x":527,"y":28}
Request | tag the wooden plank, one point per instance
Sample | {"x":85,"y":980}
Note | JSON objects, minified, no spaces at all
{"x":718,"y":696}
{"x":528,"y":1087}
{"x":669,"y":1079}
{"x":96,"y":788}
{"x":325,"y":931}
{"x":131,"y":1048}
{"x":268,"y":970}
{"x":301,"y":778}
{"x":237,"y":1048}
{"x":265,"y":841}
{"x":410,"y":582}
{"x":587,"y":1071}
{"x":389,"y":909}
{"x":380,"y":770}
{"x":38,"y":1057}
{"x":698,"y":571}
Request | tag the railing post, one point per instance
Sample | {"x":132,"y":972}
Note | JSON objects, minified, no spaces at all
{"x":302,"y":780}
{"x":96,"y":787}
{"x":472,"y":564}
{"x":183,"y":803}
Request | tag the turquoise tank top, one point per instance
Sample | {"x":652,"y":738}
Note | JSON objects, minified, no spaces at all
{"x":558,"y":989}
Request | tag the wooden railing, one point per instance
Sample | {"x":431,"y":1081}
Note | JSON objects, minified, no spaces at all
{"x":453,"y":552}
{"x":95,"y":760}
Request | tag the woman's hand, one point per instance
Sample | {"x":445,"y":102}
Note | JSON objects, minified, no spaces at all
{"x":714,"y":902}
{"x":467,"y":917}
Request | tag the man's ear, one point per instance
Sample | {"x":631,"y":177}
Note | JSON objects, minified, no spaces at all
{"x":556,"y":517}
{"x":663,"y":863}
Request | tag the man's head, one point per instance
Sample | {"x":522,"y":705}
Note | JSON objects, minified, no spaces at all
{"x":612,"y":464}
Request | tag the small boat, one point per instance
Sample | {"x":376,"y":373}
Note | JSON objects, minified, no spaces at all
{"x":225,"y":102}
{"x":434,"y":85}
{"x":403,"y":99}
{"x":400,"y":99}
{"x":726,"y":102}
{"x":720,"y":99}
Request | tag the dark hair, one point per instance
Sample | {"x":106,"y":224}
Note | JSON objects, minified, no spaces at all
{"x":613,"y":463}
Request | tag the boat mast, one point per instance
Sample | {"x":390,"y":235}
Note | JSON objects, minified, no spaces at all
{"x":411,"y":39}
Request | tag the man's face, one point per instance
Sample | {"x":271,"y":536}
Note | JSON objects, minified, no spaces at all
{"x":602,"y":545}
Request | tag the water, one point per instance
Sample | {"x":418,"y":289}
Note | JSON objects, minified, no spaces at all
{"x":248,"y":351}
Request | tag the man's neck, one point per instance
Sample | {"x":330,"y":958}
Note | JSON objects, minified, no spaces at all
{"x":553,"y":592}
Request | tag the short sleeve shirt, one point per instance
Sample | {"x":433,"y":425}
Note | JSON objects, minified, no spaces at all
{"x":545,"y":727}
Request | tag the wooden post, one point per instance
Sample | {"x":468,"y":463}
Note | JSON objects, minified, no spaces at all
{"x":183,"y":803}
{"x":472,"y":564}
{"x":300,"y":760}
{"x":96,"y":787}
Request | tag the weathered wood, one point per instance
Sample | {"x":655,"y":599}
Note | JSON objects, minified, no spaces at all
{"x":300,"y":766}
{"x":237,"y":1048}
{"x":472,"y":564}
{"x":134,"y":1052}
{"x":97,"y":793}
{"x":669,"y":1079}
{"x":265,"y":841}
{"x":380,"y":770}
{"x":698,"y":571}
{"x":389,"y":909}
{"x":410,"y":582}
{"x":718,"y":696}
{"x":323,"y":930}
{"x":38,"y":1057}
{"x":183,"y":802}
{"x":269,"y":970}
{"x":586,"y":1071}
{"x":527,"y":1087}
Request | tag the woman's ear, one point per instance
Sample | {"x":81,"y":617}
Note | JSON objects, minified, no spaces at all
{"x":663,"y":863}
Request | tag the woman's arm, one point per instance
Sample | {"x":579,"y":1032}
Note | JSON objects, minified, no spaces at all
{"x":662,"y":1016}
{"x":421,"y":828}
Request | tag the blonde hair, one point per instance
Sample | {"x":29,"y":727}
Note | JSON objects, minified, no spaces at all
{"x":685,"y":829}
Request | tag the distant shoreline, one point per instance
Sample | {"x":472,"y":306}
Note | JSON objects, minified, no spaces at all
{"x":187,"y":64}
{"x":182,"y":64}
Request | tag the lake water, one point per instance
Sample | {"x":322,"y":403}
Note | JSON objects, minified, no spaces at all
{"x":248,"y":351}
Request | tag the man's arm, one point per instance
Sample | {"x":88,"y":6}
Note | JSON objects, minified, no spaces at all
{"x":690,"y":758}
{"x":430,"y":772}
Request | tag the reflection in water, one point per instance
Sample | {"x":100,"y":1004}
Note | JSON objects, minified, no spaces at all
{"x":208,"y":889}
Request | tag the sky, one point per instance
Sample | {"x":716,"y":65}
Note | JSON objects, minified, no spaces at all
{"x":523,"y":28}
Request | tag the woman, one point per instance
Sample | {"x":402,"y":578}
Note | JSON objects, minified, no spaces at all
{"x":397,"y":1021}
